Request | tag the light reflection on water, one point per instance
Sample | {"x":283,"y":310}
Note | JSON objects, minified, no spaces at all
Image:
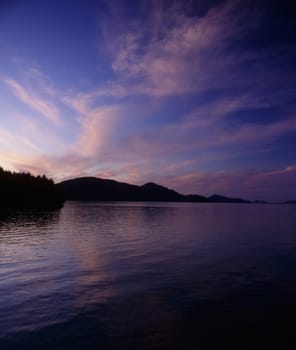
{"x":147,"y":275}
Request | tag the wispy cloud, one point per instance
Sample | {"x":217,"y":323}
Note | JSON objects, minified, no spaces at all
{"x":186,"y":88}
{"x":205,"y":130}
{"x":274,"y":185}
{"x":95,"y":129}
{"x":173,"y":53}
{"x":32,"y":99}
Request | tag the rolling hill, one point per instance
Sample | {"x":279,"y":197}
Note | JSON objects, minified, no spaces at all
{"x":97,"y":189}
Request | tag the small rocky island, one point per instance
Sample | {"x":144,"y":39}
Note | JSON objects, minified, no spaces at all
{"x":25,"y":191}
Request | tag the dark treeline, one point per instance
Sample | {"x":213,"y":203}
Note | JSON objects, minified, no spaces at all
{"x":25,"y":191}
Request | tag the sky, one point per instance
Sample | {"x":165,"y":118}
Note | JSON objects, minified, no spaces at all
{"x":198,"y":96}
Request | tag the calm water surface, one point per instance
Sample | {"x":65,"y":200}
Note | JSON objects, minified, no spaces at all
{"x":149,"y":276}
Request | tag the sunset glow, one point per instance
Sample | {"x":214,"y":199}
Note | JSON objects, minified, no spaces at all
{"x":198,"y":96}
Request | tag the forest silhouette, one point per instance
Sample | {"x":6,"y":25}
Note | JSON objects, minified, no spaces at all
{"x":25,"y":191}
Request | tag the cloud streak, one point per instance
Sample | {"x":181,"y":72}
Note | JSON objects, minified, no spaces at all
{"x":34,"y":101}
{"x":273,"y":185}
{"x":181,"y":93}
{"x":173,"y":53}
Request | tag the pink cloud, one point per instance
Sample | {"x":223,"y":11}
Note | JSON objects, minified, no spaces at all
{"x":170,"y":54}
{"x":77,"y":158}
{"x":178,"y":54}
{"x":96,"y":126}
{"x":204,"y":131}
{"x":34,"y":101}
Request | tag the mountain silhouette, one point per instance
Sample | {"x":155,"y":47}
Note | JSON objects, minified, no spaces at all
{"x":216,"y":198}
{"x":97,"y":189}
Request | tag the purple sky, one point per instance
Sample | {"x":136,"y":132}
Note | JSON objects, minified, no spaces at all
{"x":199,"y":96}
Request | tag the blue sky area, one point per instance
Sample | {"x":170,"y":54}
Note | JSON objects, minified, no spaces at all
{"x":199,"y":96}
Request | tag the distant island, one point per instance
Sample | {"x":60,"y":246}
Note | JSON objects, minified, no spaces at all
{"x":97,"y":189}
{"x":25,"y":191}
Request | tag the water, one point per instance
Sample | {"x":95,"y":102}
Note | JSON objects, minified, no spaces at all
{"x":148,"y":276}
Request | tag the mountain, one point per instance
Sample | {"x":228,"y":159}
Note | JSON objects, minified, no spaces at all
{"x":153,"y":192}
{"x":196,"y":198}
{"x":97,"y":189}
{"x":92,"y":188}
{"x":216,"y":198}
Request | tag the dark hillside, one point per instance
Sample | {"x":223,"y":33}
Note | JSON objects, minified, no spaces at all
{"x":96,"y":189}
{"x":153,"y":192}
{"x":216,"y":198}
{"x":92,"y":188}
